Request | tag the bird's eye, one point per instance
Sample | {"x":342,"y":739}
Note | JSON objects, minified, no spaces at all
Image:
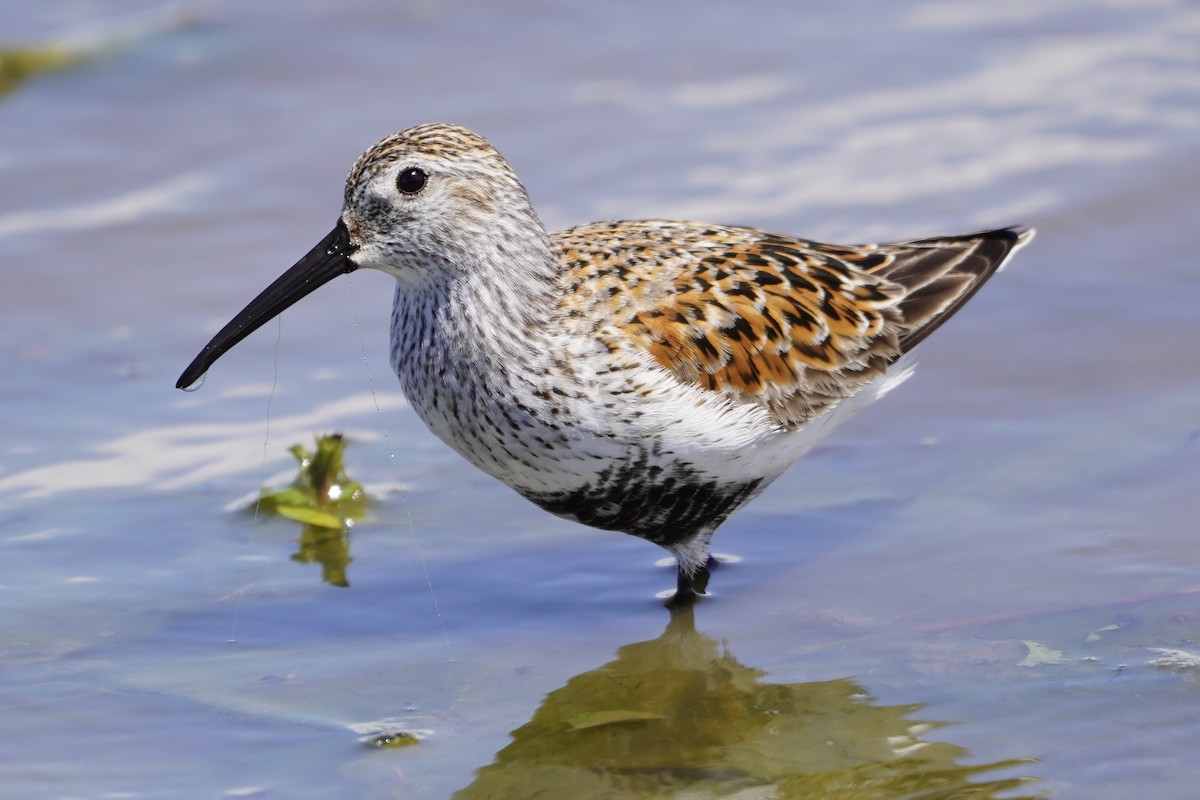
{"x":411,"y":180}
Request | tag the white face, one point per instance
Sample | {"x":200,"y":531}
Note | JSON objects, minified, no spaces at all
{"x":402,"y":232}
{"x":424,"y":210}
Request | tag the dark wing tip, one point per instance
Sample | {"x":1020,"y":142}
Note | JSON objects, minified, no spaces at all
{"x":1017,"y":235}
{"x":941,"y":273}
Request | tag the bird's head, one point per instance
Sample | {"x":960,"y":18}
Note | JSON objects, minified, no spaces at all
{"x":429,"y":204}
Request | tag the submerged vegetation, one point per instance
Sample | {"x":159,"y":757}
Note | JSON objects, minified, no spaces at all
{"x":21,"y":62}
{"x":325,"y":500}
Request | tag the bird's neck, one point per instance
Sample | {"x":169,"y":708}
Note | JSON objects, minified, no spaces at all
{"x":515,"y":287}
{"x":490,"y":310}
{"x":476,"y":350}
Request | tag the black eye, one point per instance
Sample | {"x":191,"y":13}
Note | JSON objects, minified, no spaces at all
{"x":411,"y":180}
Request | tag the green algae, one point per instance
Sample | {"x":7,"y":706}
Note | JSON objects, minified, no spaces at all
{"x":325,"y":501}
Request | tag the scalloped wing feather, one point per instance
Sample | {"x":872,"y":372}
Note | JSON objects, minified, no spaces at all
{"x":791,"y":324}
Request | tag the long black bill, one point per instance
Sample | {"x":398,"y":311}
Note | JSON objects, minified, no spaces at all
{"x":323,"y":263}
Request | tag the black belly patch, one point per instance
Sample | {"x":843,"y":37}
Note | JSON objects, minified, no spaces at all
{"x":664,"y":505}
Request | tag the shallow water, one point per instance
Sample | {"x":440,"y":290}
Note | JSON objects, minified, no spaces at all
{"x":968,"y":586}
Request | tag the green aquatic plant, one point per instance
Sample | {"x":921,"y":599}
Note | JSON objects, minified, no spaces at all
{"x":19,"y":64}
{"x":397,"y":739}
{"x":327,"y":503}
{"x":321,"y":494}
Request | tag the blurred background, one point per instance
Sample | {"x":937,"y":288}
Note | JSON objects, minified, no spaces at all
{"x":985,"y":586}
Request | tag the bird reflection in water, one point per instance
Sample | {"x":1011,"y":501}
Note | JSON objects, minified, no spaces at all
{"x":680,"y":716}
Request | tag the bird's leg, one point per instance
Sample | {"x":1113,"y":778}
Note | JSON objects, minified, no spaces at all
{"x":689,"y":585}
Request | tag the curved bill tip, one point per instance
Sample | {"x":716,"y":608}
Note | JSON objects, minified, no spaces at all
{"x":329,"y":259}
{"x":193,"y":386}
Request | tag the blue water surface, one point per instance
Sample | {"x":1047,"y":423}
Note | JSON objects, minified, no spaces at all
{"x":987,"y":579}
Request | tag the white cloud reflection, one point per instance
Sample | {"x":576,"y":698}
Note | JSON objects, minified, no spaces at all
{"x":171,"y":457}
{"x":1051,"y":101}
{"x":173,"y":194}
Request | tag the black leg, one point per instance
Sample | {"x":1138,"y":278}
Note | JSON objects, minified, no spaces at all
{"x":689,"y":587}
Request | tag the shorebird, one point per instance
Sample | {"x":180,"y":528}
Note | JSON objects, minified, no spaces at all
{"x":644,"y":376}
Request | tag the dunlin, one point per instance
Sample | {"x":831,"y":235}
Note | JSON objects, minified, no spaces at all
{"x":644,"y":376}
